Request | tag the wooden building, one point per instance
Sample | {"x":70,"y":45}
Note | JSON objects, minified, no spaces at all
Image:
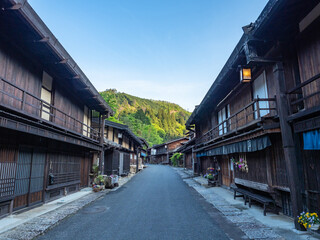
{"x":143,"y":152}
{"x":267,"y":119}
{"x":188,"y":154}
{"x":121,"y":148}
{"x":46,"y":103}
{"x":160,"y":154}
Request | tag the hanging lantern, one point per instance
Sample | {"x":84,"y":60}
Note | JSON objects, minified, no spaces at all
{"x":245,"y":75}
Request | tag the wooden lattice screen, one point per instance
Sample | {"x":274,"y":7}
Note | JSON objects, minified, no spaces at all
{"x":7,"y":172}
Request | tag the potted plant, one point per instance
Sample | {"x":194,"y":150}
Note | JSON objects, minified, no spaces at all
{"x":309,"y":220}
{"x":98,"y":183}
{"x":212,"y":176}
{"x":96,"y":188}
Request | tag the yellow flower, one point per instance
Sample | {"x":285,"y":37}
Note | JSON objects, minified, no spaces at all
{"x":309,"y":226}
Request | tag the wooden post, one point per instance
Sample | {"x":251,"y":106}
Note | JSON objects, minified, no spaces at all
{"x":30,"y":176}
{"x":101,"y":162}
{"x":184,"y":160}
{"x":245,"y":112}
{"x":137,"y":160}
{"x":288,"y":145}
{"x":199,"y":165}
{"x":23,"y":100}
{"x":192,"y":159}
{"x":45,"y":177}
{"x":258,"y":109}
{"x":236,"y":122}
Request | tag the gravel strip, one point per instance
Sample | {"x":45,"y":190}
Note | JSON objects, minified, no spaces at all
{"x":39,"y":225}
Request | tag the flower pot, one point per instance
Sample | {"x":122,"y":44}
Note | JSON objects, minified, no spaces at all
{"x":315,"y":227}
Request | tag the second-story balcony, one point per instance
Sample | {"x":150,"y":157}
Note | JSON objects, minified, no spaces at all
{"x":27,"y":104}
{"x":247,"y":117}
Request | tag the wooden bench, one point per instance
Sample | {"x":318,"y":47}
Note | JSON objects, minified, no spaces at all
{"x":249,"y":196}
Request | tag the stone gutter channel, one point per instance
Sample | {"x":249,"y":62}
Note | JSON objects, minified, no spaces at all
{"x":248,"y":224}
{"x":40,"y":224}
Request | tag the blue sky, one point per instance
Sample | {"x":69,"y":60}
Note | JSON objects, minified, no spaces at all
{"x":168,"y":50}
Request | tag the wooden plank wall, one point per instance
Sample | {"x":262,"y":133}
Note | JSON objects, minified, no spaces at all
{"x":309,"y":63}
{"x":257,"y":171}
{"x":205,"y":125}
{"x":174,"y":145}
{"x":188,"y":159}
{"x":26,"y":74}
{"x":69,"y":106}
{"x":20,"y":71}
{"x":239,"y":100}
{"x":311,"y":165}
{"x":206,"y":162}
{"x":279,"y":172}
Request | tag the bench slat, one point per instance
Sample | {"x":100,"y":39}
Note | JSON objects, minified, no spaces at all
{"x":248,"y":196}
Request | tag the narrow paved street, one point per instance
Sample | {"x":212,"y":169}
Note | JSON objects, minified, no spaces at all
{"x":155,"y":204}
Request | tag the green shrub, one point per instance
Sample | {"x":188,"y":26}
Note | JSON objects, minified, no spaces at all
{"x":176,"y":158}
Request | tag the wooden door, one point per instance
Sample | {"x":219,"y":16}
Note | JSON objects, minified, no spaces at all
{"x":225,"y":170}
{"x":29,"y":177}
{"x":85,"y":169}
{"x":37,"y":177}
{"x":22,"y":178}
{"x":121,"y":164}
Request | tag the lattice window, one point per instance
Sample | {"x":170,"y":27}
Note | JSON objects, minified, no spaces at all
{"x":64,"y":168}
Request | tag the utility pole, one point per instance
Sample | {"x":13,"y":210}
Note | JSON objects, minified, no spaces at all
{"x":290,"y":154}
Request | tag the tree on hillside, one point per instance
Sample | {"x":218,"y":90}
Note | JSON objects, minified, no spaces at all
{"x":156,"y":121}
{"x":109,"y":97}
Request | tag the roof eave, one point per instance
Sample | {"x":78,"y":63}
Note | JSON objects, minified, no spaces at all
{"x":39,"y":26}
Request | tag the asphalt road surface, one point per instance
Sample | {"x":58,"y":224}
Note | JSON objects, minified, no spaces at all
{"x":155,"y":204}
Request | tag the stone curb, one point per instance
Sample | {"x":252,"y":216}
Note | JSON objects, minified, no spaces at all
{"x":39,"y":225}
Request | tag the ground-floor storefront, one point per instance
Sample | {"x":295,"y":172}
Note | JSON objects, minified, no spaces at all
{"x":257,"y":165}
{"x":35,"y":169}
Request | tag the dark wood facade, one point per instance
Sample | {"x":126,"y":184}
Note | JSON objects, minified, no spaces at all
{"x":160,"y":154}
{"x":121,"y":148}
{"x":46,"y":139}
{"x":280,"y":104}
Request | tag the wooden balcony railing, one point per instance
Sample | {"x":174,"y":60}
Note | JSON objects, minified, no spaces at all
{"x":246,"y":116}
{"x":18,"y":99}
{"x":305,"y":96}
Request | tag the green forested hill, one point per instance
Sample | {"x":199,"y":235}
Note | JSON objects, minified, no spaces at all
{"x":156,"y":121}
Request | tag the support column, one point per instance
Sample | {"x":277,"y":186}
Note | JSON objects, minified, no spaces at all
{"x":137,"y":161}
{"x":101,"y":162}
{"x":290,"y":155}
{"x":184,"y":160}
{"x":198,"y":165}
{"x":192,"y":159}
